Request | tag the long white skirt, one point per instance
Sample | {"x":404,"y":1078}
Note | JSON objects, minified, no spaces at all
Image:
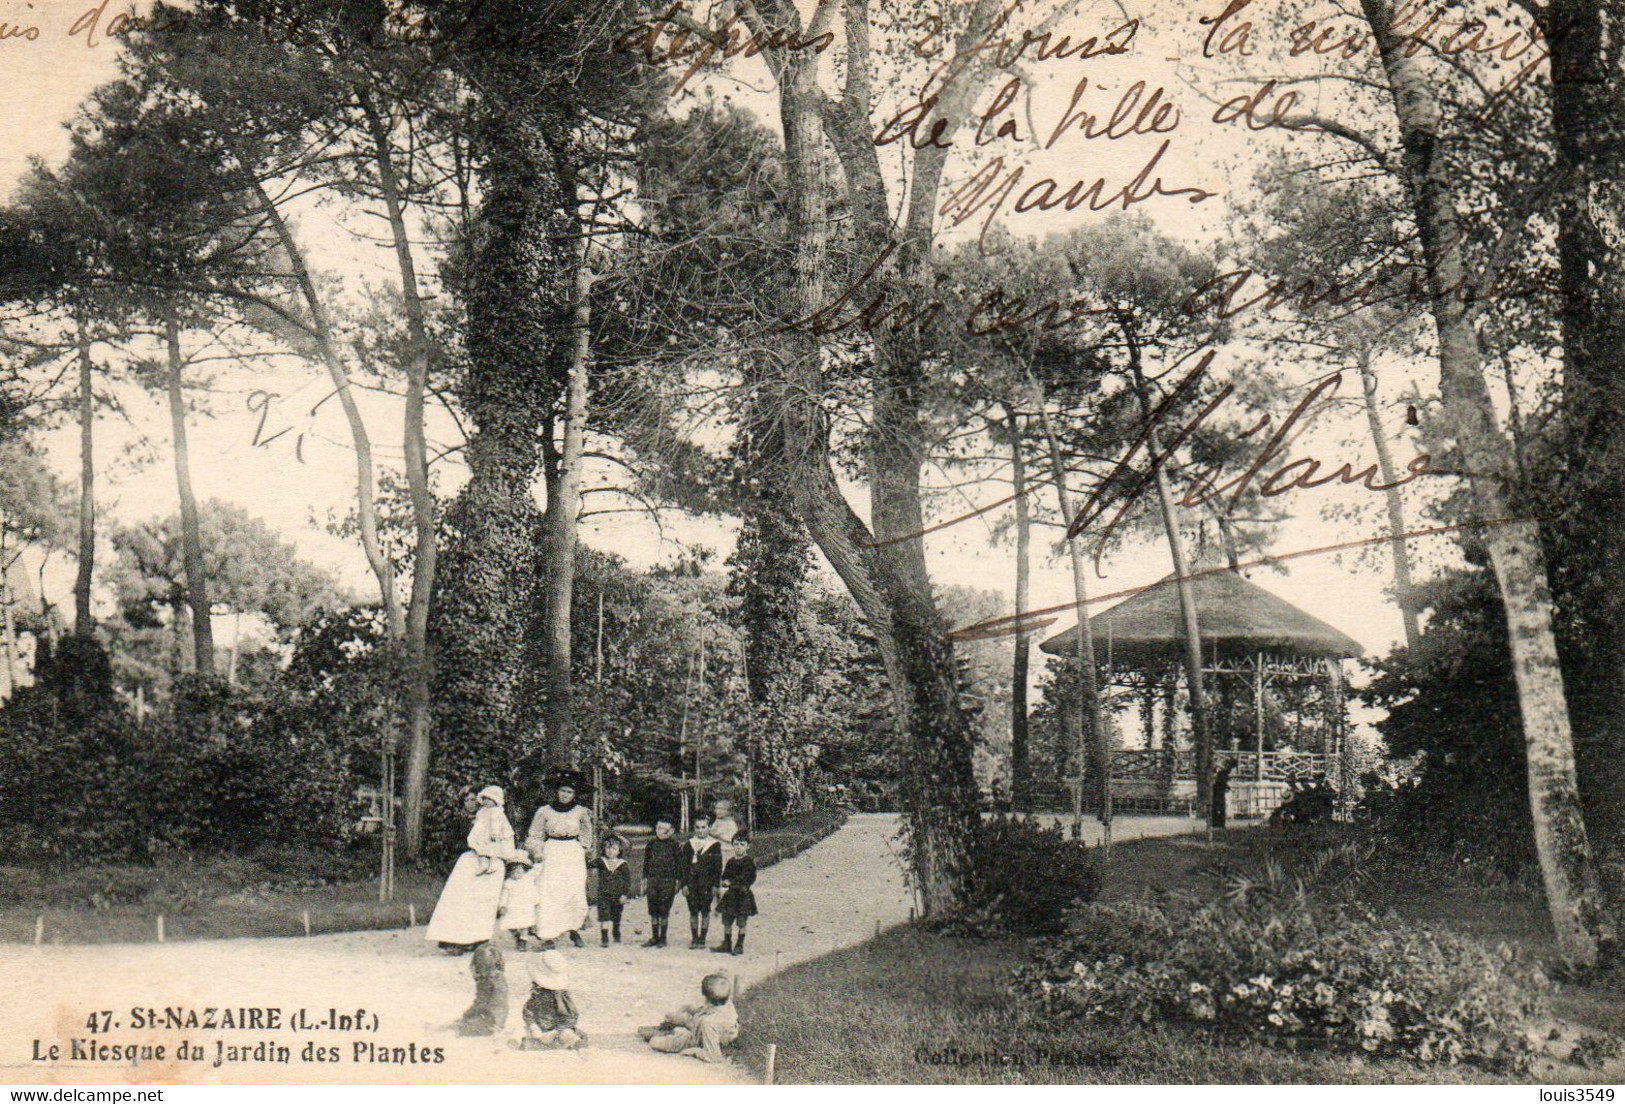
{"x":561,"y":888}
{"x":467,"y":910}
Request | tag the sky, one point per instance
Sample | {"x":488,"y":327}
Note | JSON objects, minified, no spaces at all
{"x":42,"y":80}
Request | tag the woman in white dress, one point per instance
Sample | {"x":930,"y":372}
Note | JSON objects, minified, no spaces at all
{"x":560,"y":842}
{"x":466,"y":913}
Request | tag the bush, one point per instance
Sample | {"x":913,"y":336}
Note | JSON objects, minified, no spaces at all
{"x":1024,"y":879}
{"x":1309,"y":803}
{"x":1408,"y":819}
{"x":1291,"y":970}
{"x":222,"y":771}
{"x":1453,"y":725}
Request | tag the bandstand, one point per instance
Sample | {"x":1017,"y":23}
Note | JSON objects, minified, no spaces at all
{"x":1273,"y":683}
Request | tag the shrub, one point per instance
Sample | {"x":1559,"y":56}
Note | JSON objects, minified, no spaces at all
{"x":222,"y":771}
{"x":1453,"y":722}
{"x":1408,"y":820}
{"x":1294,"y":971}
{"x":1309,"y":803}
{"x":1024,"y":879}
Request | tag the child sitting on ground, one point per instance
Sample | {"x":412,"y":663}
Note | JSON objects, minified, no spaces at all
{"x":700,"y":1030}
{"x":550,"y":1014}
{"x":614,"y":887}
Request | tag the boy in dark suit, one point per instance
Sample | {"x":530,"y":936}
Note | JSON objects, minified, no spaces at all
{"x":701,"y":875}
{"x":662,"y":870}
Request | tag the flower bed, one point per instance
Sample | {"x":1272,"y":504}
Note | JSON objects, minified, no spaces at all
{"x":1294,"y":972}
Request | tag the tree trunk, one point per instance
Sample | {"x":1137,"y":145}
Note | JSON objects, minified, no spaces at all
{"x":1020,"y":767}
{"x":888,"y":580}
{"x":236,"y":647}
{"x":417,"y":668}
{"x":1583,"y":929}
{"x":1086,"y":726}
{"x":1395,"y":503}
{"x":197,"y":583}
{"x":8,"y":647}
{"x":563,"y":508}
{"x":518,"y":292}
{"x":1201,"y":723}
{"x":772,"y":559}
{"x":8,"y":628}
{"x":360,"y":440}
{"x":1588,"y":122}
{"x":84,"y":624}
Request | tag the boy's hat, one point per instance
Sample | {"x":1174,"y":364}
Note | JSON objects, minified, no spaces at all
{"x":548,"y":969}
{"x":494,"y":793}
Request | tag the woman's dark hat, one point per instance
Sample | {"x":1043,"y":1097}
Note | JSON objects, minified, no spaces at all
{"x":572,"y":778}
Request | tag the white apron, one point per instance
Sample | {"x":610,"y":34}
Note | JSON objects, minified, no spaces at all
{"x":559,"y":842}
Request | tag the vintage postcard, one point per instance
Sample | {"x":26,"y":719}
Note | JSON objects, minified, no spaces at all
{"x":731,"y":542}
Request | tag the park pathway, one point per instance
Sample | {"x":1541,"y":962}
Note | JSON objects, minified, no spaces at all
{"x":834,"y":895}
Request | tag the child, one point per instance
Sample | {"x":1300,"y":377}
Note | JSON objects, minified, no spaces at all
{"x":738,"y":899}
{"x":614,"y":887}
{"x":701,"y":1030}
{"x":516,"y":911}
{"x":550,"y":1015}
{"x":661,"y":872}
{"x":723,"y":826}
{"x":489,"y":1012}
{"x":701,"y":871}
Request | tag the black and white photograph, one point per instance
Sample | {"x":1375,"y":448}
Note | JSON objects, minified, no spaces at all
{"x":785,"y":542}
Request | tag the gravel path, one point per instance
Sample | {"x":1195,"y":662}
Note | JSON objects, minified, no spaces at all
{"x":833,"y":895}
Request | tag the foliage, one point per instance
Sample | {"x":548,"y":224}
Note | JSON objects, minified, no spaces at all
{"x":1025,"y":879}
{"x":1311,"y":802}
{"x":771,"y":562}
{"x":251,"y":568}
{"x":34,"y":506}
{"x":220,"y":769}
{"x":1452,"y":709}
{"x":1292,"y":968}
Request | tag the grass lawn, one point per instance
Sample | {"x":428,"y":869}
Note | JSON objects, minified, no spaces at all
{"x":237,"y":896}
{"x":914,"y":1007}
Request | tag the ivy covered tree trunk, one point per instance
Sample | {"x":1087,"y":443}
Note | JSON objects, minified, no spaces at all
{"x":1583,"y":928}
{"x":771,"y":563}
{"x":516,"y":289}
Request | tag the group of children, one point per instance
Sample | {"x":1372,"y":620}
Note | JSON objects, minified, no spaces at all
{"x":698,"y":869}
{"x":552,"y":1020}
{"x":713,"y":870}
